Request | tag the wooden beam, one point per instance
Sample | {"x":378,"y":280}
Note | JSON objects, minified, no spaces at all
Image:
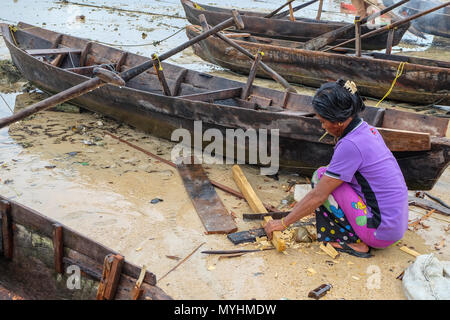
{"x":255,"y":204}
{"x":136,"y":292}
{"x":319,"y":11}
{"x":410,"y":251}
{"x":178,"y":81}
{"x":7,"y":230}
{"x":58,"y":248}
{"x":46,"y":52}
{"x":84,"y":53}
{"x":214,"y":95}
{"x":121,"y":61}
{"x":358,"y":36}
{"x":291,"y":13}
{"x":160,"y":74}
{"x":402,"y":140}
{"x":112,"y":269}
{"x":390,"y":41}
{"x":251,"y":76}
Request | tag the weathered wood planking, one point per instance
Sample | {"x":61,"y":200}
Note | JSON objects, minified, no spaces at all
{"x":32,"y":219}
{"x":210,"y":209}
{"x":46,"y":52}
{"x":402,"y":140}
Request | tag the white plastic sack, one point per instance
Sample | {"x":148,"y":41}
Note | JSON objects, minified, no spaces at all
{"x":427,"y":279}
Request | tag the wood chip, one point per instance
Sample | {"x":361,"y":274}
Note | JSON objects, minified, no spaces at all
{"x":210,"y":268}
{"x":440,"y":245}
{"x":354,"y":277}
{"x":311,"y":271}
{"x":410,"y":251}
{"x":329,"y":250}
{"x":174,"y":257}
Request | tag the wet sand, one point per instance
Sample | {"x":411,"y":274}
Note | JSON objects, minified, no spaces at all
{"x":66,"y":167}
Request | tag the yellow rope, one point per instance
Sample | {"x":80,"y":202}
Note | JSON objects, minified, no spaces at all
{"x":196,"y":6}
{"x":13,"y":29}
{"x":155,"y":57}
{"x":400,"y":68}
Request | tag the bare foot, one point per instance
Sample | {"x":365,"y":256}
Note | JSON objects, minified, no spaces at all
{"x":360,"y":247}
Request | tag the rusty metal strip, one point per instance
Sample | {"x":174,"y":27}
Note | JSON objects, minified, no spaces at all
{"x":58,"y":247}
{"x":112,"y":269}
{"x":212,"y":212}
{"x":7,"y":232}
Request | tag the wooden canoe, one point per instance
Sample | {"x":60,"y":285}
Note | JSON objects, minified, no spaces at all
{"x":422,"y":81}
{"x":301,"y":29}
{"x":216,"y":102}
{"x":31,"y":267}
{"x":436,"y":23}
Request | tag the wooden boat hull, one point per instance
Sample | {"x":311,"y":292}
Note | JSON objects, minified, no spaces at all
{"x":161,"y":115}
{"x":436,"y":23}
{"x":373,"y":75}
{"x":28,"y":270}
{"x":300,"y":30}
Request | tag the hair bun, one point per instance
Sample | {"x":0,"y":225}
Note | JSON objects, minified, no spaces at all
{"x":340,"y":82}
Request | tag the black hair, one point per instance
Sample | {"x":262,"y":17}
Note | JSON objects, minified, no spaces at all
{"x":336,"y":103}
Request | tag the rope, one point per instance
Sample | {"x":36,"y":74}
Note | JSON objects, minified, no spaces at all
{"x":6,"y":103}
{"x":400,"y":68}
{"x":155,"y":57}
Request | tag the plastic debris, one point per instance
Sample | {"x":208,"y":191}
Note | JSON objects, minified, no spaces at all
{"x":156,"y":200}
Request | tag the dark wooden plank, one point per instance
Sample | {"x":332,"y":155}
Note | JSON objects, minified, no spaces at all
{"x":214,"y":95}
{"x":45,"y":52}
{"x":58,"y":247}
{"x":7,"y":231}
{"x":212,"y":212}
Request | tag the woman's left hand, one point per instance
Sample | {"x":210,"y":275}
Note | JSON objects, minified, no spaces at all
{"x":273,"y":225}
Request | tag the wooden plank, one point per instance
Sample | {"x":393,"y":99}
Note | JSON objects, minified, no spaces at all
{"x":7,"y":231}
{"x":395,"y":119}
{"x":58,"y":248}
{"x":45,"y":52}
{"x":329,"y":250}
{"x":112,"y":269}
{"x":209,"y":207}
{"x":261,"y":101}
{"x":255,"y":204}
{"x":237,"y":35}
{"x":410,"y":251}
{"x":214,"y":95}
{"x":402,"y":140}
{"x":428,"y":205}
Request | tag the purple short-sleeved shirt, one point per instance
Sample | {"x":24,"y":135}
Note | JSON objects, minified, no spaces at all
{"x":362,"y":159}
